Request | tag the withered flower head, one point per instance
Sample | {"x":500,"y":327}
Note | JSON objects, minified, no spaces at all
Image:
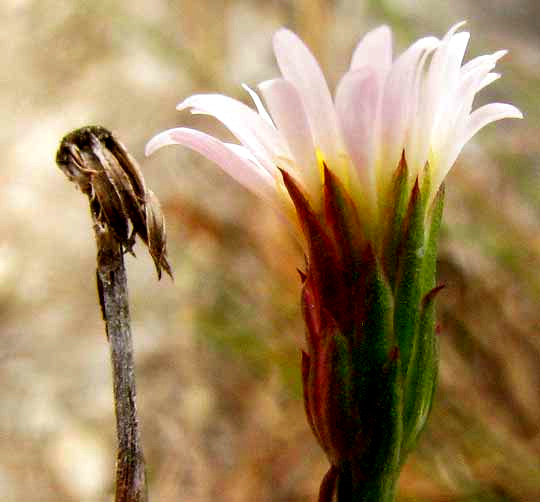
{"x":120,"y":202}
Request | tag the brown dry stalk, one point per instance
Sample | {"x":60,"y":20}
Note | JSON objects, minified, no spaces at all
{"x":121,"y":208}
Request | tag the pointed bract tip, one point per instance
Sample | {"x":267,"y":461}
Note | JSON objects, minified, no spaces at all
{"x":326,"y":171}
{"x":402,"y":159}
{"x":402,"y":165}
{"x":416,"y":187}
{"x":295,"y":190}
{"x":430,"y":296}
{"x":415,"y":193}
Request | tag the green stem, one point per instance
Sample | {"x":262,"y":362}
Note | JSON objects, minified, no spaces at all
{"x":378,"y":487}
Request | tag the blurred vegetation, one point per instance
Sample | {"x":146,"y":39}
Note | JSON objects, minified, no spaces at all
{"x":218,"y":349}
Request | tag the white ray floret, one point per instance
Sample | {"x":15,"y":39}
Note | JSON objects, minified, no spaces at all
{"x":420,"y":103}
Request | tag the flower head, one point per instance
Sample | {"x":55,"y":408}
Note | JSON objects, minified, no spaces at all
{"x":419,"y":104}
{"x":361,"y":174}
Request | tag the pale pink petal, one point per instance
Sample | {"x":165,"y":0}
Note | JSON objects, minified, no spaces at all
{"x":488,"y":80}
{"x":375,"y":49}
{"x":247,"y":173}
{"x":159,"y":141}
{"x":444,"y":70}
{"x":457,"y":47}
{"x":357,"y":99}
{"x":452,"y":118}
{"x":258,"y":104}
{"x":487,"y":114}
{"x":431,"y":96}
{"x":453,"y":29}
{"x":396,"y":103}
{"x":433,"y":91}
{"x":299,"y":67}
{"x":420,"y":121}
{"x":477,"y":120}
{"x":246,"y":124}
{"x":287,"y":110}
{"x":473,"y":78}
{"x":243,"y":152}
{"x":481,"y":60}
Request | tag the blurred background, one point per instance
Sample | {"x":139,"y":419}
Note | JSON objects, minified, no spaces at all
{"x":217,"y":350}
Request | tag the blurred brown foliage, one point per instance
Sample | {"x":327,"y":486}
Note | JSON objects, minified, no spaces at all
{"x":218,"y":350}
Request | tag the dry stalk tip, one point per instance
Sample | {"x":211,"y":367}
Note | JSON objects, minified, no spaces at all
{"x":121,"y":207}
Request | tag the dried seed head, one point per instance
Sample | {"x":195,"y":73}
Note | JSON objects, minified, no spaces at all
{"x":102,"y":168}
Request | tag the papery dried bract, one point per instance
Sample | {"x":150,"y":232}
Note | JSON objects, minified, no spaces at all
{"x":156,"y":233}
